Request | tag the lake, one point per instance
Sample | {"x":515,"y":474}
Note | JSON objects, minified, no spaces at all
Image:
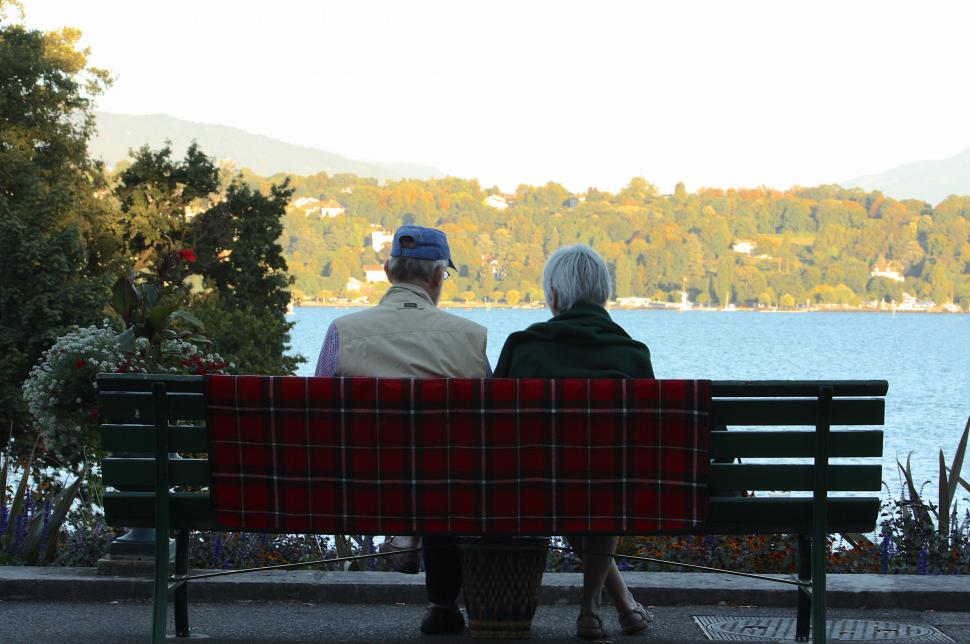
{"x":925,"y":357}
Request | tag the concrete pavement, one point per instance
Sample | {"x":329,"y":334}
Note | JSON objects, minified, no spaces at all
{"x":914,"y":592}
{"x":77,"y":605}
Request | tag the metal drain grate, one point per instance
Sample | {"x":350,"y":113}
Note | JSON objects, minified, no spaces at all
{"x":768,"y":629}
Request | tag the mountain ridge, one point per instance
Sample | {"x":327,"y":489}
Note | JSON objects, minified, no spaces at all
{"x":264,"y":155}
{"x":931,"y":180}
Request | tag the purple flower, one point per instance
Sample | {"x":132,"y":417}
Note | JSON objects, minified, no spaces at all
{"x":885,"y":551}
{"x":708,"y":543}
{"x":923,"y":561}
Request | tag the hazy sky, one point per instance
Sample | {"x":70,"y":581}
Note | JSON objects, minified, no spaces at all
{"x":714,"y":93}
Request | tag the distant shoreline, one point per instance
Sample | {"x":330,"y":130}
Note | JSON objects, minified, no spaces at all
{"x":613,"y":307}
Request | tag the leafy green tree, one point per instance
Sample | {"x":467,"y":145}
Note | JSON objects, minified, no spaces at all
{"x":159,"y":196}
{"x":241,"y":260}
{"x":725,"y":279}
{"x":56,"y":245}
{"x":624,"y":276}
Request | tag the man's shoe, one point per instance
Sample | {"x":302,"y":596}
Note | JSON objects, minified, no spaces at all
{"x":440,"y":620}
{"x":406,"y":562}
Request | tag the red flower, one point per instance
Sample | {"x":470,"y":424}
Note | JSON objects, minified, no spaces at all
{"x":80,"y":363}
{"x":188,"y":255}
{"x":95,"y":412}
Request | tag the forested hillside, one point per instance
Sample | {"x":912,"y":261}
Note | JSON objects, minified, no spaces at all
{"x":817,"y":245}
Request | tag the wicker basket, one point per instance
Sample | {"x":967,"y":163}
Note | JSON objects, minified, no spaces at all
{"x":501,"y":580}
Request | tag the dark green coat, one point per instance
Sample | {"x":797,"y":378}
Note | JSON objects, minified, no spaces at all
{"x":583,"y":342}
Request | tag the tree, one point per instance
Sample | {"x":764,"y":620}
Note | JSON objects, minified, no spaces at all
{"x":725,"y":279}
{"x":242,"y":262}
{"x":56,"y":245}
{"x":624,"y":276}
{"x":171,"y":205}
{"x":159,"y":197}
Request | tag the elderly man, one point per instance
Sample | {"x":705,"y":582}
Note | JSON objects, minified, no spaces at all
{"x":582,"y":341}
{"x":406,"y":335}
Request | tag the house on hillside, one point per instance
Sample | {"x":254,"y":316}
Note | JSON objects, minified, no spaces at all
{"x":496,"y":201}
{"x":302,"y":202}
{"x":374,"y":273}
{"x":353,"y":285}
{"x":331,"y":208}
{"x":323,"y":208}
{"x":743,"y":246}
{"x":381,"y":238}
{"x":888,"y":271}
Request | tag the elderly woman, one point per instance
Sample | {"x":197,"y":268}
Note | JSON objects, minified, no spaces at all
{"x":582,"y":341}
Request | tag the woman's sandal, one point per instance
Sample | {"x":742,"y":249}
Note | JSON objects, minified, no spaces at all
{"x":586,"y":632}
{"x":635,"y":620}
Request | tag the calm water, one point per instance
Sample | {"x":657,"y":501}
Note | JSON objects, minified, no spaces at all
{"x":925,"y":358}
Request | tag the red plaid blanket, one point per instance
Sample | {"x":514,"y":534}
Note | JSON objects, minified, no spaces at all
{"x":402,"y":456}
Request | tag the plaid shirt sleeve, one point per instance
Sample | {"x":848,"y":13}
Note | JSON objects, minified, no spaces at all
{"x":329,"y":354}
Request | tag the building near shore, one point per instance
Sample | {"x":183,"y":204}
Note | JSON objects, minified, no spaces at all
{"x":374,"y":273}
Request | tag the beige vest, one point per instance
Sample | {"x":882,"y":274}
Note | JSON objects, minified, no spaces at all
{"x":407,"y":336}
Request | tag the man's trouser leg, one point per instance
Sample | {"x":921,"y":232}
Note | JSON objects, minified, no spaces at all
{"x":442,"y":566}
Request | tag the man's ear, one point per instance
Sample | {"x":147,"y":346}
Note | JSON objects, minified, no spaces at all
{"x":387,"y":271}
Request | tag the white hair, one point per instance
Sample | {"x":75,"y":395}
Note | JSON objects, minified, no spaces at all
{"x":413,"y":269}
{"x":578,"y":274}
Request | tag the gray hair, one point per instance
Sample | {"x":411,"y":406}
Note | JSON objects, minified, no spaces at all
{"x":413,"y":270}
{"x":578,"y":274}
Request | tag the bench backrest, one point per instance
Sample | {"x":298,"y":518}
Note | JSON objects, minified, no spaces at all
{"x":129,"y":435}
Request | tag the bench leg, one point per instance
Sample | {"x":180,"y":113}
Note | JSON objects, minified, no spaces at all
{"x":818,"y":589}
{"x":182,"y":592}
{"x":804,"y":595}
{"x":160,"y":598}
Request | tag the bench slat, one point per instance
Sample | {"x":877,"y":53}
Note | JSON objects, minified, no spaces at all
{"x":796,"y":388}
{"x":137,"y":510}
{"x":788,"y":515}
{"x":128,"y":406}
{"x":141,"y":438}
{"x":796,"y":412}
{"x":732,"y":444}
{"x":727,"y":515}
{"x":719,"y":388}
{"x":793,"y":443}
{"x":747,"y":476}
{"x":143,"y":382}
{"x":140,"y":472}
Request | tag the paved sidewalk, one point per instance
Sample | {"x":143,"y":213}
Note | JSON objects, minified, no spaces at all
{"x":124,"y":622}
{"x":913,"y":592}
{"x":76,"y":605}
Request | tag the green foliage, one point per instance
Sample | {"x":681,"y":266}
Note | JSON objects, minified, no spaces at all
{"x":171,"y":207}
{"x":817,"y":244}
{"x":158,"y":196}
{"x":242,"y":262}
{"x":31,"y":523}
{"x":919,"y":514}
{"x":56,"y":241}
{"x":158,"y":337}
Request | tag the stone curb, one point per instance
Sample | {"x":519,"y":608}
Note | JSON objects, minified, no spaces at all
{"x":914,"y":592}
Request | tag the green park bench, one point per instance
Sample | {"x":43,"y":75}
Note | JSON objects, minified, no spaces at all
{"x":147,"y":419}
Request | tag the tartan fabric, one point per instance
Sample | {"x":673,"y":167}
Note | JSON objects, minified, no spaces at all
{"x":461,"y":456}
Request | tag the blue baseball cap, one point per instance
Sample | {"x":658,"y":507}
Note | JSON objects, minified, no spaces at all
{"x":421,"y":243}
